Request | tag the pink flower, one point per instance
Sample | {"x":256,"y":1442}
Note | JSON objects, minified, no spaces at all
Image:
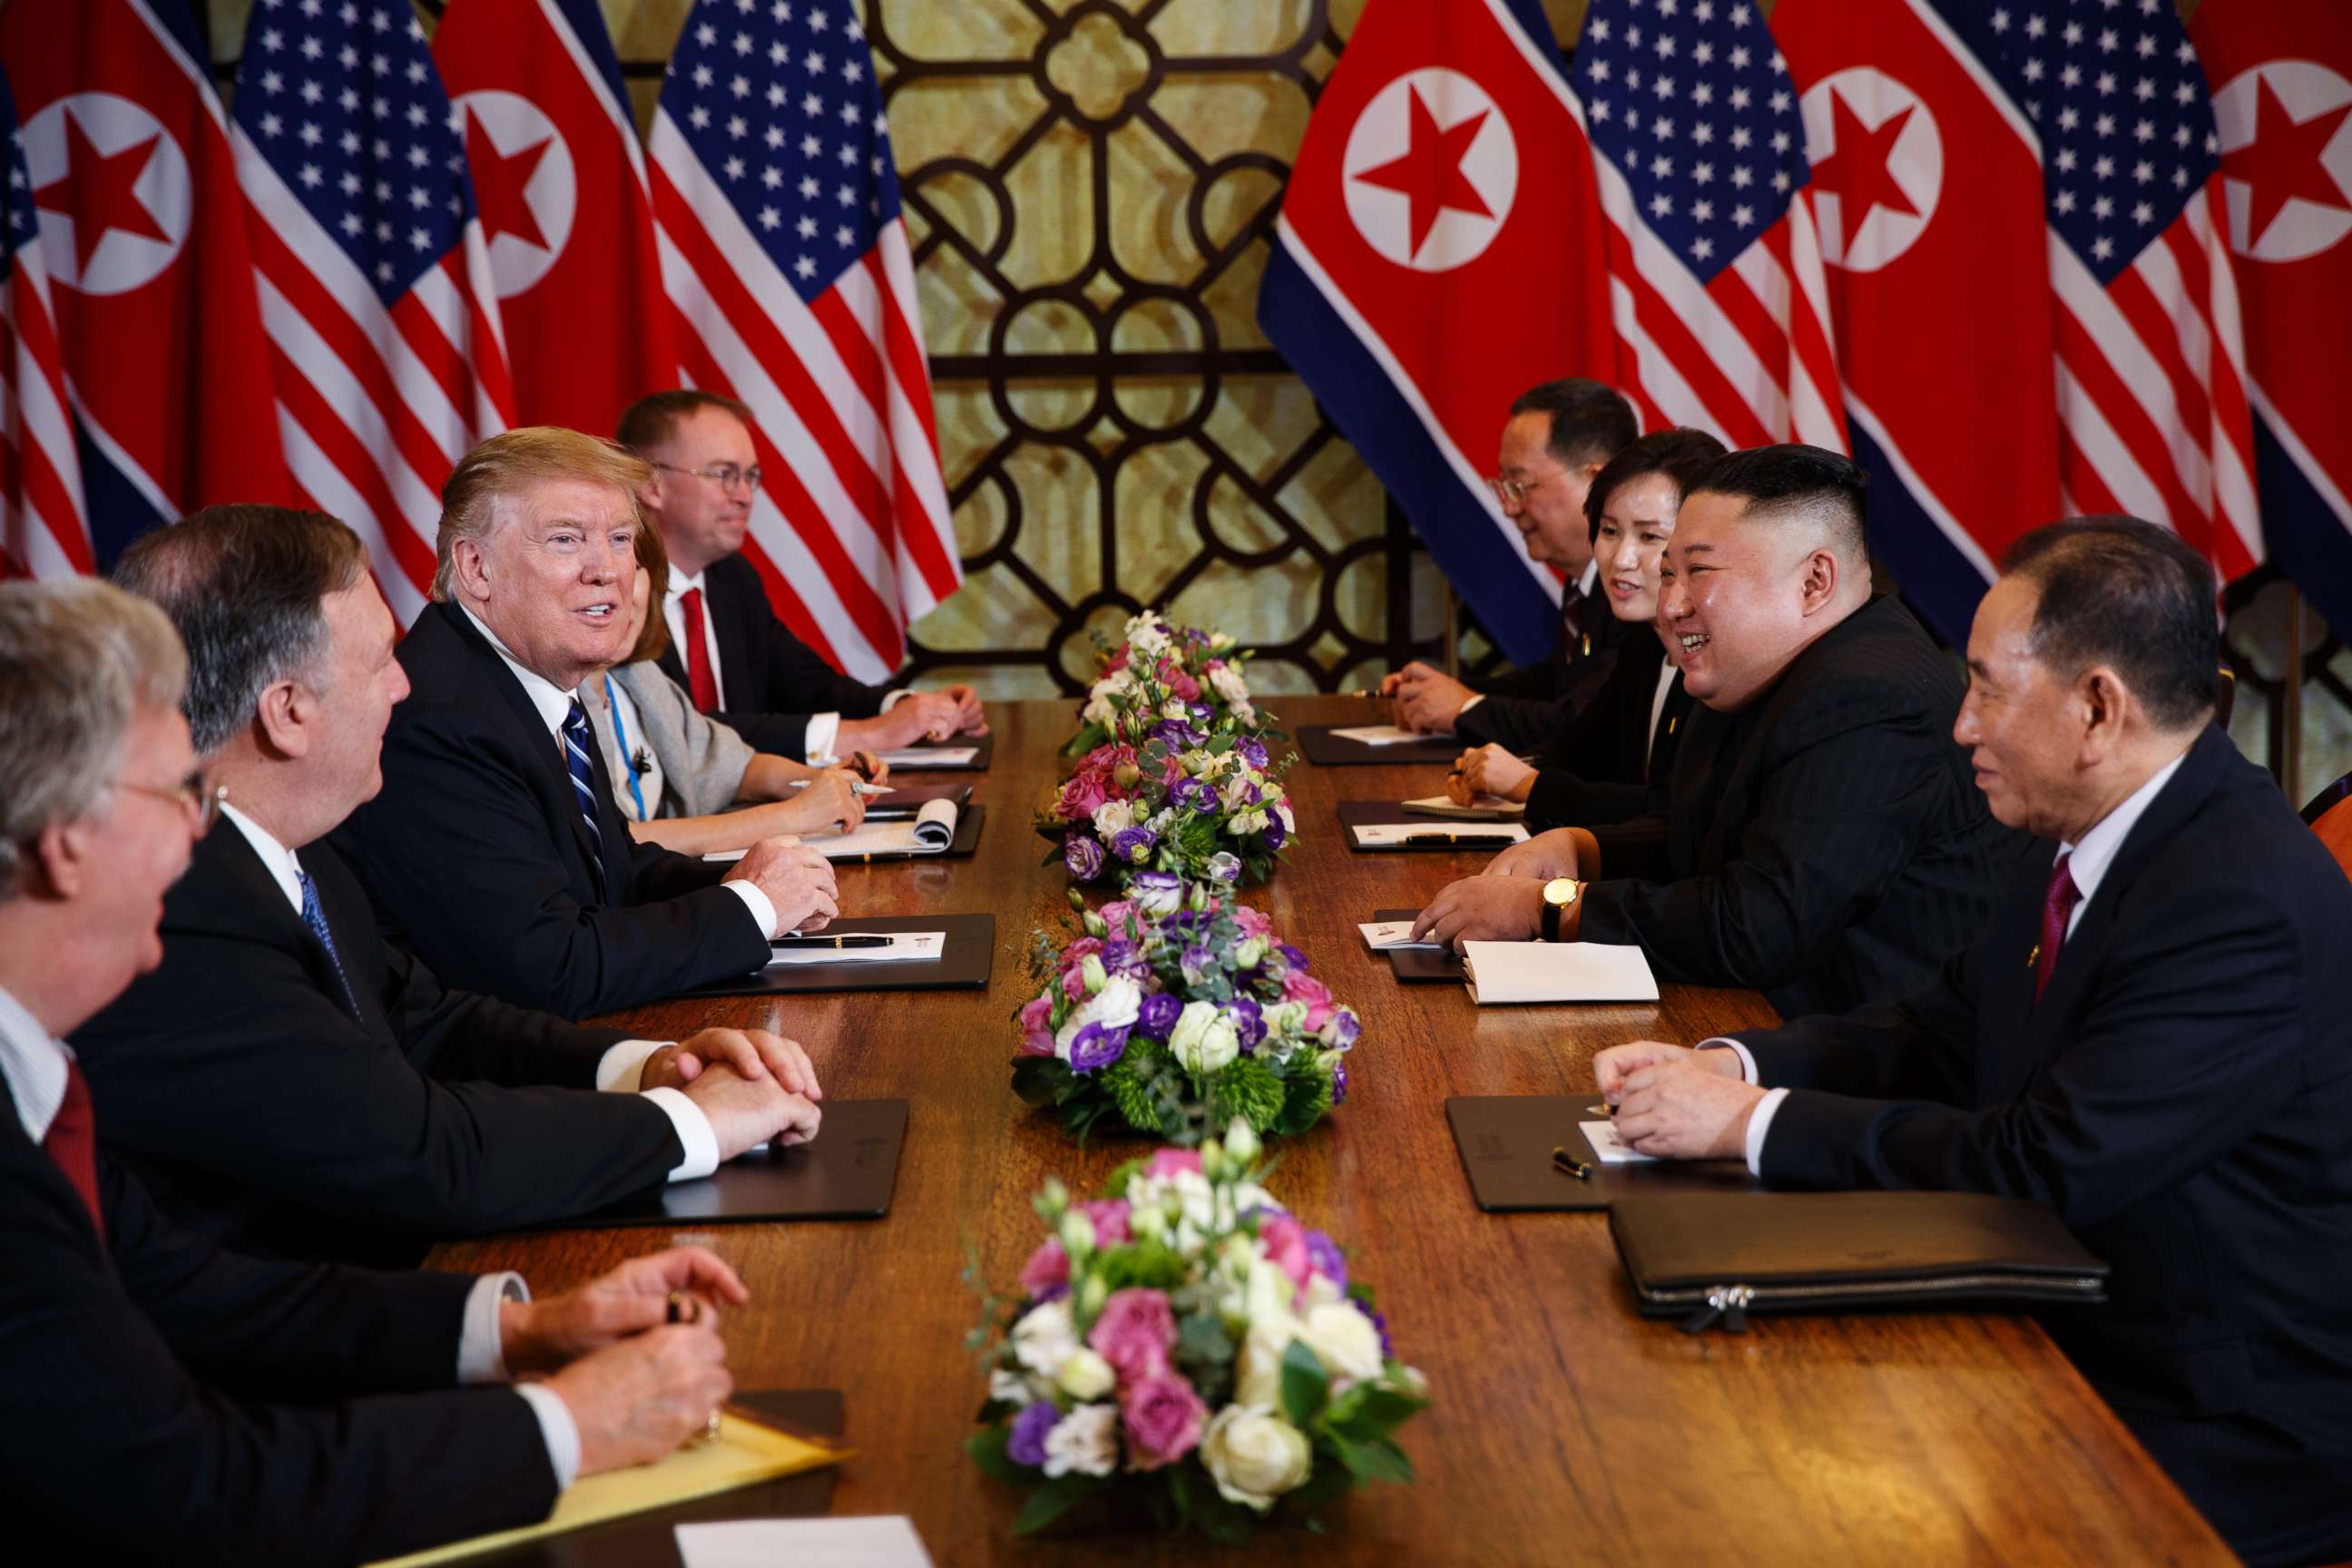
{"x":1037,"y":1035}
{"x":1081,"y":796}
{"x":1318,"y":1014}
{"x":1109,"y":1217}
{"x":1115,"y":915}
{"x":1118,"y":661}
{"x":1168,"y":1162}
{"x":1164,"y":1418}
{"x":1285,"y":1246}
{"x":1073,"y":985}
{"x":1182,"y":685}
{"x":1299,"y":986}
{"x":1134,"y":1332}
{"x":1253,"y":922}
{"x":1047,"y":1267}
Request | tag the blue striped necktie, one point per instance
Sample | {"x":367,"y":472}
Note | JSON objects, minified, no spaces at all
{"x":576,"y":742}
{"x":314,"y":915}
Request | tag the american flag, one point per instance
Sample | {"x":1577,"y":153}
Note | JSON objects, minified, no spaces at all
{"x":2151,"y":364}
{"x":1714,"y":262}
{"x":784,"y":255}
{"x":375,"y":282}
{"x":44,"y":526}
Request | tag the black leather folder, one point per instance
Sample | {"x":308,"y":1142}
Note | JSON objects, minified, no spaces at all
{"x":1419,"y":965}
{"x":1712,"y":1260}
{"x":1428,"y":832}
{"x":1505,"y":1143}
{"x":846,"y":1172}
{"x":978,"y":763}
{"x":962,"y":964}
{"x":1318,"y":745}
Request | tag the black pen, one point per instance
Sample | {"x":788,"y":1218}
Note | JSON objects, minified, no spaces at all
{"x":788,"y":941}
{"x":1451,"y":840}
{"x":1575,"y":1167}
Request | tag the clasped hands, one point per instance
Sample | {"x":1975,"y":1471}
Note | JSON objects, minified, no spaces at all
{"x":1424,"y":698}
{"x":752,"y":1087}
{"x":1677,"y":1103}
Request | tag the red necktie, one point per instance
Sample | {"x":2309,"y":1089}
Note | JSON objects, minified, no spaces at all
{"x":72,"y":1143}
{"x":699,"y":678}
{"x":2057,"y":904}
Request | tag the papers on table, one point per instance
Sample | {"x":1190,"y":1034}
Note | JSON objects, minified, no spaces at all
{"x":1483,"y":809}
{"x":931,"y":757}
{"x":1506,"y":971}
{"x":886,"y":947}
{"x":877,"y":1542}
{"x":1383,"y":735}
{"x":932,"y":831}
{"x":1609,"y":1146}
{"x":1381,"y":935}
{"x":1454,"y":835}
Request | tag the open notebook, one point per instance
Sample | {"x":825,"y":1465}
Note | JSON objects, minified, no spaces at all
{"x":1506,"y":971}
{"x":931,"y":831}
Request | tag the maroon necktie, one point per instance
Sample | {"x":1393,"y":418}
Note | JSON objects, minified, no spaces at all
{"x":699,"y":678}
{"x":72,"y":1143}
{"x":2056,"y":906}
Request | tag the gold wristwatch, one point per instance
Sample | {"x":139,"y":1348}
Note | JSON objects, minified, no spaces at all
{"x":1559,"y":894}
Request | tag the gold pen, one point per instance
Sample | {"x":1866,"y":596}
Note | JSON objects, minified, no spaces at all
{"x":1563,"y":1160}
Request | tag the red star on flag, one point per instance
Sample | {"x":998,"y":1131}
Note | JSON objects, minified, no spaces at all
{"x":96,"y":192}
{"x":1429,"y":174}
{"x":499,"y":183}
{"x":2283,"y":161}
{"x":1861,"y":171}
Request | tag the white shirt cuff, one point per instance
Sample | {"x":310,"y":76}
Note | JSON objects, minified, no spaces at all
{"x":890,"y":699}
{"x":694,"y":1135}
{"x":1759,"y":1122}
{"x":481,"y":1349}
{"x":1725,"y":1042}
{"x":762,"y":908}
{"x":617,"y":1069}
{"x":1469,"y":702}
{"x":816,"y":741}
{"x":556,"y":1426}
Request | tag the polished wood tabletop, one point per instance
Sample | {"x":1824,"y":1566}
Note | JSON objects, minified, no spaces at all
{"x":1564,"y":1429}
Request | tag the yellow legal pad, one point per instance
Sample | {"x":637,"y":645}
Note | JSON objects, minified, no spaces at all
{"x":745,"y":1453}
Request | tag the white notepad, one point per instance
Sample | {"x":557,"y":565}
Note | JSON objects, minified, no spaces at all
{"x":931,"y":757}
{"x":905,"y":946}
{"x":1383,"y":735}
{"x":880,"y":1541}
{"x":1609,"y":1146}
{"x":1381,"y":935}
{"x":1506,"y":971}
{"x":1369,"y":834}
{"x":1482,"y":808}
{"x":929,"y":832}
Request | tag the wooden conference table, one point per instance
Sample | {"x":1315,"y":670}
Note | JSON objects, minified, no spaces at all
{"x":1565,"y":1430}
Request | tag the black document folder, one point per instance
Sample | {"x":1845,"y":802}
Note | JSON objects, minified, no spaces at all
{"x":1428,"y":833}
{"x":1318,"y":745}
{"x":1505,"y":1143}
{"x":962,"y":965}
{"x":847,"y":1172}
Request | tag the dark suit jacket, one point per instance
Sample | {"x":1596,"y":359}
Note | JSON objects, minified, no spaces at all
{"x":478,"y":861}
{"x":1604,"y":767}
{"x":1526,"y":708}
{"x":261,"y":1113}
{"x":137,"y":1376}
{"x":1826,"y":845}
{"x":2182,"y":1095}
{"x":773,"y":681}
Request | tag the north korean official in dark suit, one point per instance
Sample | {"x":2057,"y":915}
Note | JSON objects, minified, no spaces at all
{"x":285,"y":1082}
{"x":1822,"y":842}
{"x":727,"y":646}
{"x":2152,"y":1035}
{"x":1558,"y":436}
{"x":165,"y":1401}
{"x":495,"y":852}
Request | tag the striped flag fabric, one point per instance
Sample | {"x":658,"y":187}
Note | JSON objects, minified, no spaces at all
{"x":2150,"y":363}
{"x":560,"y":179}
{"x":1444,"y":171}
{"x":150,"y":281}
{"x":43,"y":527}
{"x":1715,"y":265}
{"x":376,"y":295}
{"x":784,"y":255}
{"x":2280,"y":72}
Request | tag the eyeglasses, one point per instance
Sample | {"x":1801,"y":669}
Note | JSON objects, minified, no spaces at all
{"x":1512,"y":492}
{"x":190,"y":795}
{"x":726,"y":475}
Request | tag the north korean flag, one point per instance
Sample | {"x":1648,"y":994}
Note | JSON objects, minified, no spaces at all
{"x":560,"y":179}
{"x":2280,"y":72}
{"x":1438,"y":254}
{"x":144,"y":233}
{"x":1926,"y":184}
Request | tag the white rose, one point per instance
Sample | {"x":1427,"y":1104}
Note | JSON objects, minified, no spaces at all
{"x":1250,"y":952}
{"x":1087,"y":1441}
{"x":1258,"y":1370}
{"x":1011,"y":1387}
{"x":1174,"y":709}
{"x":1282,"y":810}
{"x":1253,"y":1455}
{"x":1184,"y":1037}
{"x":1220,"y":1043}
{"x":1144,"y":637}
{"x":1285,"y":1017}
{"x":1113,"y":817}
{"x":1343,"y":1340}
{"x":1246,"y":712}
{"x":1117,"y":1005}
{"x":1156,"y":898}
{"x":1229,"y":684}
{"x":1086,"y":1376}
{"x":1045,"y":1338}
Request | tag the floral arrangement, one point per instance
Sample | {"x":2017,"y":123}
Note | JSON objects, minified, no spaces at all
{"x":1204,"y":808}
{"x":1185,"y":1350}
{"x":1178,"y":1010}
{"x":1161,"y":674}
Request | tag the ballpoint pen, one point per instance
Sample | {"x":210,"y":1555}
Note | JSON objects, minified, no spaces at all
{"x":1563,"y":1160}
{"x":838,"y":942}
{"x":1454,"y":840}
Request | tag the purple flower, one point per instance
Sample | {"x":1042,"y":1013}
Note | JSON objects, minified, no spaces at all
{"x":1225,"y":866}
{"x":1293,"y":957}
{"x":1083,"y":855}
{"x":1324,"y":1254}
{"x":1341,"y":1032}
{"x":1026,"y":1445}
{"x":1197,"y":962}
{"x":1175,"y":735}
{"x":1275,"y":831}
{"x":1094,"y":1047}
{"x":1338,"y":1083}
{"x":1249,"y":1022}
{"x":1158,"y":1016}
{"x":1119,"y":957}
{"x":1133,"y":844}
{"x":1156,"y":893}
{"x":1252,"y":752}
{"x":1197,"y":794}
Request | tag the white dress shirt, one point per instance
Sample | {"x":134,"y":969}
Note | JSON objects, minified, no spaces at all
{"x":824,"y":728}
{"x":554,"y":705}
{"x":2090,"y":859}
{"x":33,"y":1065}
{"x":1584,"y":590}
{"x":617,"y":1071}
